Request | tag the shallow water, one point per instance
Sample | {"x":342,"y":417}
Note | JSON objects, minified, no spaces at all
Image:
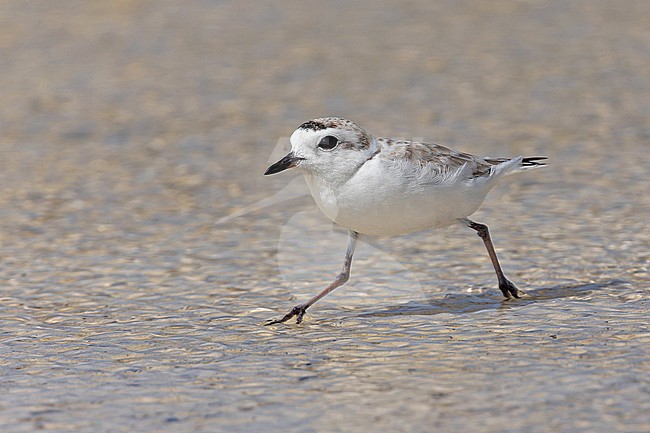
{"x":130,"y":129}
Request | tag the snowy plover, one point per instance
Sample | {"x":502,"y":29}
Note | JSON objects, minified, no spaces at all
{"x":381,"y":186}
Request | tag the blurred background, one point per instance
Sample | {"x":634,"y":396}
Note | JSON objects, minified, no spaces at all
{"x":141,"y":248}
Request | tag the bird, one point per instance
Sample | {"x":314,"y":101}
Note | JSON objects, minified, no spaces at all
{"x":375,"y":186}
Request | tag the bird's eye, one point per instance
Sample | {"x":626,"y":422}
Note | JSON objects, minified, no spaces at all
{"x":328,"y":143}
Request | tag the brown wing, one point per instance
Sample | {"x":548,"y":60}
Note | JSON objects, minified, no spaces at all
{"x":443,"y":158}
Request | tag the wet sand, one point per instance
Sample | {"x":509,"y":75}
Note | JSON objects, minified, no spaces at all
{"x":129,"y":129}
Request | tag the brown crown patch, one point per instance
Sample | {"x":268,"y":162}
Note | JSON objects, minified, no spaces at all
{"x":363,"y":138}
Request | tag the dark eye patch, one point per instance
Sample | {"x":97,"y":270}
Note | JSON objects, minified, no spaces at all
{"x":328,"y":143}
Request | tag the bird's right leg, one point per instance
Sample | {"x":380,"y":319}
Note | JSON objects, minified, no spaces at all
{"x":300,"y":309}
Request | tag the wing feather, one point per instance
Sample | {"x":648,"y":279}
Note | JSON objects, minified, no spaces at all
{"x":439,"y":159}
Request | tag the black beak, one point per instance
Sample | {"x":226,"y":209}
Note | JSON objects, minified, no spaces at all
{"x":288,"y":161}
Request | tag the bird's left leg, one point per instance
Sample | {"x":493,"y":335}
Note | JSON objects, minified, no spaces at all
{"x":506,"y":286}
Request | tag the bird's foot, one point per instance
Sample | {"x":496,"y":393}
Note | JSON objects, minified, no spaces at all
{"x":509,"y":289}
{"x":298,"y":311}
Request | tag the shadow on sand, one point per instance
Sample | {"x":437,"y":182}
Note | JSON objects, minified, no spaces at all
{"x":470,"y":303}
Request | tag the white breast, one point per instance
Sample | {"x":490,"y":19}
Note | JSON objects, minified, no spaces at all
{"x":391,"y":198}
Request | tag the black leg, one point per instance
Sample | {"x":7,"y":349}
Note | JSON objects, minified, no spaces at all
{"x":506,"y":286}
{"x":300,"y":309}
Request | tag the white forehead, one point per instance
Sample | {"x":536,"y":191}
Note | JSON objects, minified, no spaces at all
{"x":303,"y":137}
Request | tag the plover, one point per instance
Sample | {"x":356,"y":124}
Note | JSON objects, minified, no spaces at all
{"x":384,"y":187}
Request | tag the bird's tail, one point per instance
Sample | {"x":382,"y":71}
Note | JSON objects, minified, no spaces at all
{"x":531,"y":161}
{"x":534,"y":161}
{"x":503,"y":166}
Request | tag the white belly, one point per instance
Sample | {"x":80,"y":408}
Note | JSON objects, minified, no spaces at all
{"x":385,"y":206}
